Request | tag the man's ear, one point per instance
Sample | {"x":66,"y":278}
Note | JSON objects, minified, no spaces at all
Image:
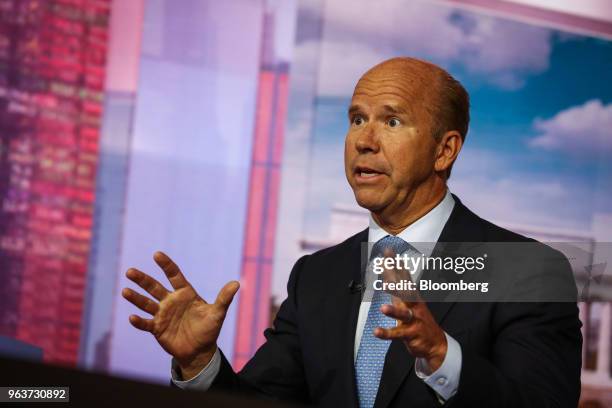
{"x":448,"y":149}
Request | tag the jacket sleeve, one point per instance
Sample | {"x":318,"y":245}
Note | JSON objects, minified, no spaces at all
{"x":276,"y":370}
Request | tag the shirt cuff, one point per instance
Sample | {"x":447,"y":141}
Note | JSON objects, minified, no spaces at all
{"x":445,"y":380}
{"x":203,"y":380}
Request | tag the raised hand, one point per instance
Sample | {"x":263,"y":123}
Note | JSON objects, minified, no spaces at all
{"x":183,"y":323}
{"x":418,"y":329}
{"x":416,"y":326}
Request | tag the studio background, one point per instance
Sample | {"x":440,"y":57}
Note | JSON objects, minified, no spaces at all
{"x":214,"y":131}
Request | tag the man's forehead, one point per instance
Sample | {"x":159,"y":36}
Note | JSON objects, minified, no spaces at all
{"x":383,"y":101}
{"x":392,"y":95}
{"x":385,"y":105}
{"x":399,"y":82}
{"x":405,"y":87}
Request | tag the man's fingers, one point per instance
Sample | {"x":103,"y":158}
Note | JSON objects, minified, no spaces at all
{"x":142,"y":302}
{"x":172,"y":271}
{"x":399,"y":332}
{"x":405,"y":314}
{"x":226,"y":294}
{"x":153,"y":287}
{"x":142,"y":324}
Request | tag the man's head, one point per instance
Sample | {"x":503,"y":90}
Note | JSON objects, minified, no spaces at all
{"x":408,"y":120}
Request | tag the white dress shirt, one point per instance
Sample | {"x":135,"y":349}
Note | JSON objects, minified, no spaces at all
{"x":422,"y":234}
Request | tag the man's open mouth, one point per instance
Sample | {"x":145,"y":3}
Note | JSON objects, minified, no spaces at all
{"x":364,"y":172}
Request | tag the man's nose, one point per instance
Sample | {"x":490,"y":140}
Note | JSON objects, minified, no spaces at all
{"x":367,"y":140}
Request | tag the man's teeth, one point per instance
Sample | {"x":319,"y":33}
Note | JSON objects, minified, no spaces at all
{"x":366,"y":174}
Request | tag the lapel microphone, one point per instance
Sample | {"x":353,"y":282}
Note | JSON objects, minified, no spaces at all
{"x":355,"y":287}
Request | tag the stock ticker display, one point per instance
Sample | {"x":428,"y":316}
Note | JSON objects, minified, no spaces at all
{"x":52,"y":69}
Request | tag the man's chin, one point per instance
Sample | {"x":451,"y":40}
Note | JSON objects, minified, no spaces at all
{"x":369,"y":201}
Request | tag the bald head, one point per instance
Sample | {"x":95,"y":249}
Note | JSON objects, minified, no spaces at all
{"x":408,"y":119}
{"x":432,"y":93}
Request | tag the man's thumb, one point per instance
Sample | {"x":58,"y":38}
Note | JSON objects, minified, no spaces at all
{"x":226,"y":294}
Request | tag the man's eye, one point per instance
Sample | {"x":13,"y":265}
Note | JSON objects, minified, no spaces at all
{"x":358,"y":121}
{"x":394,"y":122}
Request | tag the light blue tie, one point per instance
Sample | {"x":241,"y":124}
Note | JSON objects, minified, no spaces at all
{"x":372,"y":350}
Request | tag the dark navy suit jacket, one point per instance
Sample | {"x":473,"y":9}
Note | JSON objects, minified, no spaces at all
{"x":513,"y":354}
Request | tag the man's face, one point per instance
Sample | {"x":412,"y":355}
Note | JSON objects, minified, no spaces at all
{"x":389,"y":150}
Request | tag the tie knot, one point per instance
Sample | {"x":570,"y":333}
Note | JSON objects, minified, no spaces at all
{"x":395,"y":244}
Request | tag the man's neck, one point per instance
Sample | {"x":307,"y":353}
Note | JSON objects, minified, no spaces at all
{"x":394,"y":222}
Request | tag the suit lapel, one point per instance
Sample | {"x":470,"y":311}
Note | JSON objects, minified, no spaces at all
{"x":351,"y":311}
{"x":462,"y":226}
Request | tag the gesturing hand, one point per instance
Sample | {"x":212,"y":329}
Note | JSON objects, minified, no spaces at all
{"x":416,"y":326}
{"x":183,"y":323}
{"x":418,"y":329}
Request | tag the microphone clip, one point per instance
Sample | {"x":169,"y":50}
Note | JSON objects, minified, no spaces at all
{"x":355,"y":287}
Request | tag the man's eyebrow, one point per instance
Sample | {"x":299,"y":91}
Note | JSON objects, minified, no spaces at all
{"x":394,"y":109}
{"x":354,"y":109}
{"x":388,"y":109}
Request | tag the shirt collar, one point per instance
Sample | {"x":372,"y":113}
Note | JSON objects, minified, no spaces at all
{"x":426,"y":229}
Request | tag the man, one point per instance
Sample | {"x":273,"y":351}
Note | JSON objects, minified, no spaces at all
{"x":408,"y":121}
